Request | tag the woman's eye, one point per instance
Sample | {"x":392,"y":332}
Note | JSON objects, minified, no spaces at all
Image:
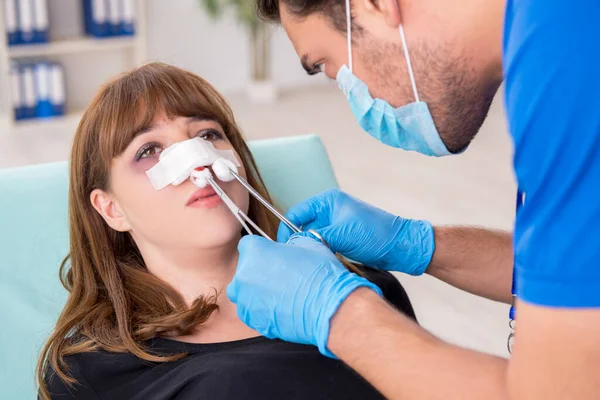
{"x":148,"y":151}
{"x":210,"y":135}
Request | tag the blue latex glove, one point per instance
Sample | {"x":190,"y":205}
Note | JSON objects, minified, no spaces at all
{"x":291,"y":291}
{"x":364,"y":233}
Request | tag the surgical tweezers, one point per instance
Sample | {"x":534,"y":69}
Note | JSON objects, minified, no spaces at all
{"x":243,"y":218}
{"x":236,"y":211}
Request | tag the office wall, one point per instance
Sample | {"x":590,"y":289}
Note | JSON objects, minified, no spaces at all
{"x":179,"y":32}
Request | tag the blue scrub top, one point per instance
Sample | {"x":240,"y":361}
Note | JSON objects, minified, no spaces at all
{"x":552,"y":74}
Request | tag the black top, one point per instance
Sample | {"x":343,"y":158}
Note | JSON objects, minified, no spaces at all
{"x":256,"y":368}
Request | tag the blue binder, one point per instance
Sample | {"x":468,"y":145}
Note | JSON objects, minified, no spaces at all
{"x":57,"y":89}
{"x":25,"y":21}
{"x":17,"y":91}
{"x":95,"y":16}
{"x":40,"y":21}
{"x":28,"y":91}
{"x":11,"y":22}
{"x":43,"y":107}
{"x":127,"y":17}
{"x":114,"y":17}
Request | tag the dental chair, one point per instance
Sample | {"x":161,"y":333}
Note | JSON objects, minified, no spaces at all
{"x":34,"y":241}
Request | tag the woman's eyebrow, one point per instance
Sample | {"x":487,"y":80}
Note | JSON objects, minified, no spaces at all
{"x":142,"y":130}
{"x":199,"y":119}
{"x":189,"y":120}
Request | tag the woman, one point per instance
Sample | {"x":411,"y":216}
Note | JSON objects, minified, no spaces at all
{"x":147,"y":316}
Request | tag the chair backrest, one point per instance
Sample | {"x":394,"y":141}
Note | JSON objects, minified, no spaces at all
{"x":34,"y":241}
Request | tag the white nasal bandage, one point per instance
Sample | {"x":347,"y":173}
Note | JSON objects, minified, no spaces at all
{"x":200,"y":178}
{"x":177,"y":162}
{"x":222,"y":169}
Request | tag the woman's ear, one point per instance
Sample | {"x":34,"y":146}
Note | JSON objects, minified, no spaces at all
{"x":388,"y":10}
{"x":109,"y":209}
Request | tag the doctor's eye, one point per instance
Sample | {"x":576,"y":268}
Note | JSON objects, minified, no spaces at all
{"x":148,"y":150}
{"x":210,"y":134}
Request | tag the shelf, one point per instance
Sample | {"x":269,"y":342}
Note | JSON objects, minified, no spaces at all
{"x":67,"y":122}
{"x":68,"y":46}
{"x":68,"y":39}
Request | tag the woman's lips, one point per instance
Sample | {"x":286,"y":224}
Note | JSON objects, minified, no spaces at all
{"x":205,"y":198}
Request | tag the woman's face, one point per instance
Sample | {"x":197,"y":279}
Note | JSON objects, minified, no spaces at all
{"x":165,"y":218}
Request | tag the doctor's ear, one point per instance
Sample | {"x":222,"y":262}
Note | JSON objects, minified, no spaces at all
{"x":108,"y":207}
{"x":389,"y":10}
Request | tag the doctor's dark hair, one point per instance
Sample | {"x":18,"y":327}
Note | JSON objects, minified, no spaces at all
{"x":334,"y":10}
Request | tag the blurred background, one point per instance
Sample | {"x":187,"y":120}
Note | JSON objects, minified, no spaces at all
{"x":58,"y":52}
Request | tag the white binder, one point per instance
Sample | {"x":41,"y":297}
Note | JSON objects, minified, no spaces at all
{"x":99,"y":11}
{"x":26,"y":20}
{"x":127,"y":16}
{"x":114,"y":16}
{"x":42,"y":81}
{"x":57,"y":85}
{"x":28,"y":81}
{"x":40,"y":19}
{"x":10,"y":20}
{"x":15,"y":86}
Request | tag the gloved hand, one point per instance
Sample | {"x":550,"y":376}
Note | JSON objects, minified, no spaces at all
{"x":291,"y":291}
{"x":364,"y":233}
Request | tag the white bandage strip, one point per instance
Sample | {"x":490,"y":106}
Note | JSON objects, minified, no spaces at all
{"x":178,"y":161}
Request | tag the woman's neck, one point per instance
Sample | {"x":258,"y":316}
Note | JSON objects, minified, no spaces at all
{"x":203,"y":272}
{"x":194,"y":272}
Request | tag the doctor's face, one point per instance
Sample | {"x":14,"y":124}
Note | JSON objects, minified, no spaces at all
{"x":451,"y":76}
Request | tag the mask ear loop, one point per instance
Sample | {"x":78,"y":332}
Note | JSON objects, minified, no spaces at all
{"x":408,"y":63}
{"x":404,"y":47}
{"x":349,"y":32}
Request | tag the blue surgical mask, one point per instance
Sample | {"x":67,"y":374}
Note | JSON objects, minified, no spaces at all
{"x":409,"y":127}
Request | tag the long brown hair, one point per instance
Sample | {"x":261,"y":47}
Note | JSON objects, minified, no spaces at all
{"x":114,"y":303}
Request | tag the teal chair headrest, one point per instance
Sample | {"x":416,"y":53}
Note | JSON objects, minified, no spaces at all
{"x":34,"y":241}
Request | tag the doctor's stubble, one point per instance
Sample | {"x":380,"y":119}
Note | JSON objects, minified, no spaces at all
{"x":458,"y":96}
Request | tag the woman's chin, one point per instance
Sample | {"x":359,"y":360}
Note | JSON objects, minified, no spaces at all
{"x":222,"y":237}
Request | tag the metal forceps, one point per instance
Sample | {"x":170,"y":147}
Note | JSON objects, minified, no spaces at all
{"x":243,"y":218}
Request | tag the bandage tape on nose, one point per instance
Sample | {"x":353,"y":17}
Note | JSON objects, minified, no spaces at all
{"x":178,"y":161}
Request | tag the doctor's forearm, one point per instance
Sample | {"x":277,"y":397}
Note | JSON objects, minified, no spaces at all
{"x":403,"y":361}
{"x":476,"y":260}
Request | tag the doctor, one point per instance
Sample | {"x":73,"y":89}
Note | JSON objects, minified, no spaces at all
{"x":420,"y":75}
